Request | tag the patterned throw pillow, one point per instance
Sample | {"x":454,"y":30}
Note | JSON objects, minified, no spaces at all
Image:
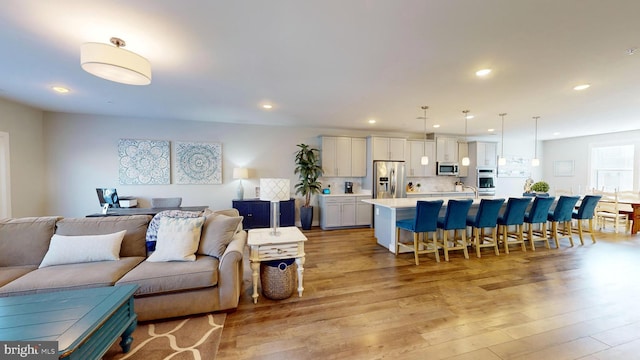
{"x":152,"y":230}
{"x":177,"y":239}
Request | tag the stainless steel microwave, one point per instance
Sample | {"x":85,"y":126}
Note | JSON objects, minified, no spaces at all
{"x":447,"y":169}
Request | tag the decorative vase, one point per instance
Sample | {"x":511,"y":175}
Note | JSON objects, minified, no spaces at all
{"x":306,"y":217}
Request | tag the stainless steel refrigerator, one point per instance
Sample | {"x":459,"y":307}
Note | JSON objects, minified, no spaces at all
{"x":388,"y":179}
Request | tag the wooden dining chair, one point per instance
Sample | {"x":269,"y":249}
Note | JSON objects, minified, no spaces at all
{"x":425,"y":222}
{"x":609,"y":210}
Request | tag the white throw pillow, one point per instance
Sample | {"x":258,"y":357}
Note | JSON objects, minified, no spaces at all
{"x":178,"y":239}
{"x":83,"y":248}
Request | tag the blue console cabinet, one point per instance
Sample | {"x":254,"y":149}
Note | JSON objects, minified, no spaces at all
{"x":256,"y":213}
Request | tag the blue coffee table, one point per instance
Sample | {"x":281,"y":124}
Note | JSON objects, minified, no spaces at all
{"x":85,"y":323}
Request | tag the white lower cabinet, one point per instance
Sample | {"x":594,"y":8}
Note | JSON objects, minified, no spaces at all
{"x":344,"y":211}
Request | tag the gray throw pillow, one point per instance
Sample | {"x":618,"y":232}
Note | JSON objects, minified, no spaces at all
{"x":217,"y":233}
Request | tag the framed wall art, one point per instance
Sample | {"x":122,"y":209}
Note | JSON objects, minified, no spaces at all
{"x":144,"y":162}
{"x":198,"y":163}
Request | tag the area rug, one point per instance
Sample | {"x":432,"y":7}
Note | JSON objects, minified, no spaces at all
{"x":194,"y":338}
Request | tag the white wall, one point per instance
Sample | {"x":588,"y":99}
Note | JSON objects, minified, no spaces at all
{"x":24,"y":126}
{"x":81,"y":154}
{"x":578,"y":150}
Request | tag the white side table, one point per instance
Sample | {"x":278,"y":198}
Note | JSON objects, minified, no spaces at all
{"x":264,"y":247}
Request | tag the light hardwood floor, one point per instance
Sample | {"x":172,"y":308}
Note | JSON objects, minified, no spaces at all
{"x":362,"y":302}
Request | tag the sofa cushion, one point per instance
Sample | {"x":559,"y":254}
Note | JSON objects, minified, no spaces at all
{"x":166,"y":277}
{"x":152,"y":230}
{"x":65,"y":249}
{"x":10,"y":273}
{"x":217,"y":233}
{"x":24,"y":241}
{"x":133,"y":243}
{"x":71,"y":276}
{"x":178,"y":239}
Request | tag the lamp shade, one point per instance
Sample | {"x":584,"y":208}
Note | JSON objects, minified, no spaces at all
{"x":240,"y":173}
{"x":275,"y":189}
{"x":115,"y":64}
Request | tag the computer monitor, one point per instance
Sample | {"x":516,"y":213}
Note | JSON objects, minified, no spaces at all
{"x":108,"y":196}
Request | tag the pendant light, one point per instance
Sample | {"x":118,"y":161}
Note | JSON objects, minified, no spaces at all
{"x":502,"y":161}
{"x":535,"y":161}
{"x":424,"y":160}
{"x":465,"y":160}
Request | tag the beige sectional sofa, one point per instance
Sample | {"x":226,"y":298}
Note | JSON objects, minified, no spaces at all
{"x":212,"y":282}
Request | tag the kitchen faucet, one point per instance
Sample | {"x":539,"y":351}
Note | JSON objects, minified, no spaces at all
{"x":475,"y":190}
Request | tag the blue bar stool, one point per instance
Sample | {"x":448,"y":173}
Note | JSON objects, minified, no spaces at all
{"x":513,"y":216}
{"x":426,"y":221}
{"x":538,"y":215}
{"x":485,"y":218}
{"x":455,"y":219}
{"x":562,"y":214}
{"x":586,"y":211}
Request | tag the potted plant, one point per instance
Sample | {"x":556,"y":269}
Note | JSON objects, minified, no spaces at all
{"x":309,"y":170}
{"x":540,"y":187}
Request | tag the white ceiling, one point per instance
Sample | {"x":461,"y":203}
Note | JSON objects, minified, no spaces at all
{"x":338,"y":63}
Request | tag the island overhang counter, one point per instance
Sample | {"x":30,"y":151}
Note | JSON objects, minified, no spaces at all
{"x":387,"y":211}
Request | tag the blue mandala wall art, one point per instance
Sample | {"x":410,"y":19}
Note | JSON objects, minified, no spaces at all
{"x":198,"y":163}
{"x":144,"y":162}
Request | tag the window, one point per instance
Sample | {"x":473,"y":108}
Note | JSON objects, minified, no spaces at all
{"x":5,"y":184}
{"x":612,"y":167}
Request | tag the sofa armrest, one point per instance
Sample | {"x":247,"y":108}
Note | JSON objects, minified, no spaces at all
{"x":231,"y":271}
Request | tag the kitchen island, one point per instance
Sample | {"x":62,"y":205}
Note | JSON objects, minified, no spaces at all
{"x":387,"y":211}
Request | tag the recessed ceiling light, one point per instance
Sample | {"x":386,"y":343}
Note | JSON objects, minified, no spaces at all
{"x":582,"y":87}
{"x":556,"y":133}
{"x":436,"y":125}
{"x":491,"y":130}
{"x":267,"y":106}
{"x":60,"y":89}
{"x":483,"y":72}
{"x":372,"y":121}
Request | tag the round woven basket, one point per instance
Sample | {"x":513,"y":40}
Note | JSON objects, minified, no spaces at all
{"x":277,"y":278}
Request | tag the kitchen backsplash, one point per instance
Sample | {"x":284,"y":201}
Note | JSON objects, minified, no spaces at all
{"x":436,"y":183}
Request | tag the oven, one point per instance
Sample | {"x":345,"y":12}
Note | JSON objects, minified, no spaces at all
{"x":486,"y":181}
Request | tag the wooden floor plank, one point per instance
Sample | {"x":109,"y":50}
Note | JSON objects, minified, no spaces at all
{"x":363,"y":302}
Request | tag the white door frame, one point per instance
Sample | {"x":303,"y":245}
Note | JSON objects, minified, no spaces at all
{"x":5,"y":176}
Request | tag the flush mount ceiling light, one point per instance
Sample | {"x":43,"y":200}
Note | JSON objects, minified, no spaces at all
{"x":115,"y":63}
{"x":60,"y":89}
{"x":483,"y":72}
{"x":372,"y":121}
{"x":581,"y":87}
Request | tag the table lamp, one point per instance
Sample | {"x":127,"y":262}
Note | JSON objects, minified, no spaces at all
{"x":275,"y":190}
{"x":240,"y":173}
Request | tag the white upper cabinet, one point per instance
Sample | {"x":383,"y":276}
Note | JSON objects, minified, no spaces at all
{"x":446,"y":149}
{"x":417,"y":149}
{"x":343,"y":156}
{"x":358,"y":157}
{"x":486,"y":154}
{"x":384,"y":148}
